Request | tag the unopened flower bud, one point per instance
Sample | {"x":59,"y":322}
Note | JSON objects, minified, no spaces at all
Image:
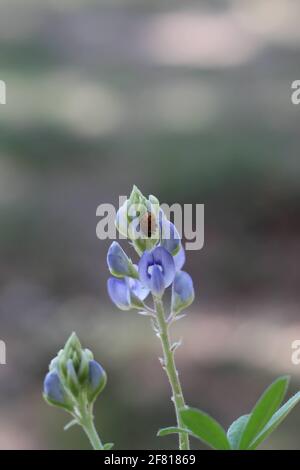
{"x":138,"y":220}
{"x":182,"y":292}
{"x":96,"y":381}
{"x":54,"y":392}
{"x":118,"y":262}
{"x":73,"y":374}
{"x":72,"y":379}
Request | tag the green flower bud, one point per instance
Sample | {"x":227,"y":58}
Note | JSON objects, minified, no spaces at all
{"x":73,"y":347}
{"x":83,"y":371}
{"x":73,"y":373}
{"x":72,"y":379}
{"x":138,"y":220}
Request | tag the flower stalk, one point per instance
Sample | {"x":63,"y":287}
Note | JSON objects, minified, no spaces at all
{"x":88,"y":425}
{"x":171,"y":370}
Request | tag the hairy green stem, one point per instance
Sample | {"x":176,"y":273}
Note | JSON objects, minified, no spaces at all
{"x":170,"y":368}
{"x":88,"y":425}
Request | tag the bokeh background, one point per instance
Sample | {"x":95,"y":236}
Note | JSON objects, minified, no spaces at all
{"x":191,"y":102}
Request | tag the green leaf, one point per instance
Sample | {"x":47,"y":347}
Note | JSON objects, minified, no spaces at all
{"x":108,"y":446}
{"x":171,"y":430}
{"x":235,"y":431}
{"x":205,"y":428}
{"x":275,"y":421}
{"x":264,"y":410}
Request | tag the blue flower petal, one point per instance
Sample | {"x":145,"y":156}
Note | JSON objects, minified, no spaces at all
{"x":145,"y":263}
{"x":118,"y":290}
{"x":157,"y":281}
{"x":157,"y":270}
{"x":170,"y":239}
{"x":164,"y":259}
{"x":179,"y":259}
{"x":138,"y":289}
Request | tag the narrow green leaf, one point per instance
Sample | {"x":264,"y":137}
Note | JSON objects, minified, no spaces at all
{"x":264,"y":409}
{"x":171,"y":430}
{"x":235,"y":431}
{"x":70,"y":424}
{"x":205,"y":428}
{"x":275,"y":421}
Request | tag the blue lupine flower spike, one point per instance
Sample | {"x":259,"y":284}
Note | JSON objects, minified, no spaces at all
{"x":158,"y":243}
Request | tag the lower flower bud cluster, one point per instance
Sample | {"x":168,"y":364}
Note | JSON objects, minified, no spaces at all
{"x":73,"y":376}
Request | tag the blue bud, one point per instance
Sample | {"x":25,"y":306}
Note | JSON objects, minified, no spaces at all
{"x":182,"y":292}
{"x":54,"y":392}
{"x":157,"y":280}
{"x":118,"y":262}
{"x":97,"y":380}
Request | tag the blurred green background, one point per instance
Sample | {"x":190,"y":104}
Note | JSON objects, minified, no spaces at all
{"x":191,"y":102}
